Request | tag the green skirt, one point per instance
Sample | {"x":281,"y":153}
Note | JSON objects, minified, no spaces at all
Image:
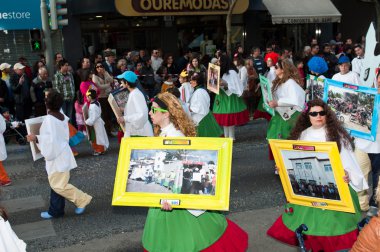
{"x":208,"y":127}
{"x":323,"y":222}
{"x":279,"y":128}
{"x":180,"y":231}
{"x":225,"y":104}
{"x":260,"y":106}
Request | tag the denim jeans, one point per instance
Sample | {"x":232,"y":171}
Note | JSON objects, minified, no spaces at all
{"x":67,"y":107}
{"x":375,"y":163}
{"x":57,"y":204}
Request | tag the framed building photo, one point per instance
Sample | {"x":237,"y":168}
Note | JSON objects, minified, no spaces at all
{"x":213,"y":78}
{"x":355,"y":106}
{"x":266,"y":91}
{"x":33,"y":126}
{"x":192,"y":173}
{"x":311,"y":174}
{"x":117,"y":100}
{"x":315,"y":85}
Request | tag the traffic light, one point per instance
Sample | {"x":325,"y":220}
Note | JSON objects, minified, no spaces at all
{"x":36,"y":40}
{"x":57,"y":11}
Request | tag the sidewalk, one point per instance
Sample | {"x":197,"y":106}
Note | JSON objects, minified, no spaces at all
{"x":254,"y":222}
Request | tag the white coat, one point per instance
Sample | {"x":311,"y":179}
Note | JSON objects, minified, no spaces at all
{"x":136,"y":115}
{"x":53,"y":142}
{"x":8,"y":239}
{"x":199,"y":105}
{"x":95,"y":120}
{"x":3,"y":150}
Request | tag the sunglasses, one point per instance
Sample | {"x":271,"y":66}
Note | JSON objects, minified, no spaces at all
{"x":315,"y":113}
{"x":154,"y":110}
{"x":100,"y":66}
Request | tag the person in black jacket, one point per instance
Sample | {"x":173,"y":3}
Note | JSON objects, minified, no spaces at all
{"x":21,"y":90}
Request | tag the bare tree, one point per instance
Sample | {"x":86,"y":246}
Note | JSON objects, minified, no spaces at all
{"x":376,"y":4}
{"x":228,"y":26}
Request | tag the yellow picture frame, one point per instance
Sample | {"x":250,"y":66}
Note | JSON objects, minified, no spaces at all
{"x":201,"y":157}
{"x":311,"y":174}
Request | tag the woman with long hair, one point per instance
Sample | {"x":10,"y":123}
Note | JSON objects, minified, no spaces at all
{"x":229,"y":108}
{"x":195,"y":66}
{"x":288,"y":100}
{"x":168,"y":229}
{"x":104,"y":81}
{"x":328,"y":230}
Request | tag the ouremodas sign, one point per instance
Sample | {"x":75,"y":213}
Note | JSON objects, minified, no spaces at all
{"x":178,"y":7}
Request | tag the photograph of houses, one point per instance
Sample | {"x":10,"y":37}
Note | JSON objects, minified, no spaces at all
{"x":173,"y":171}
{"x":310,"y":174}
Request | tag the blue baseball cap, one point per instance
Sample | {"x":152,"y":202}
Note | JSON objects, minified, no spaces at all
{"x":343,"y":59}
{"x":129,"y":76}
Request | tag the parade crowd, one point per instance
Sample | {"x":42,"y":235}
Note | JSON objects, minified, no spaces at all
{"x":168,"y":97}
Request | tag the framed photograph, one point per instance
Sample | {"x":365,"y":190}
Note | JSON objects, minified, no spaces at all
{"x":33,"y":126}
{"x":266,"y":91}
{"x":213,"y":78}
{"x":117,"y":100}
{"x":311,"y":174}
{"x":315,"y":86}
{"x":355,"y":106}
{"x":192,"y":173}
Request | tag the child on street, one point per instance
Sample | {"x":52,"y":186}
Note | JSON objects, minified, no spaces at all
{"x":98,"y":134}
{"x":4,"y":178}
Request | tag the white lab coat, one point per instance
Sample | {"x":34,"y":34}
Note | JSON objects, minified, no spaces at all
{"x":53,"y":142}
{"x":235,"y":86}
{"x":357,"y":180}
{"x":290,"y":98}
{"x":9,"y":241}
{"x":95,"y":120}
{"x":3,"y":149}
{"x":199,"y":105}
{"x":136,"y":116}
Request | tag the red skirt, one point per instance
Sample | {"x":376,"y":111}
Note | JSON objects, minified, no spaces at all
{"x":260,"y":114}
{"x":233,"y":119}
{"x":233,"y":239}
{"x":280,"y":232}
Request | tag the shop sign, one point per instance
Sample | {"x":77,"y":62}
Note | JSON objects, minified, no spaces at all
{"x":305,"y":20}
{"x":20,"y":15}
{"x":178,"y":7}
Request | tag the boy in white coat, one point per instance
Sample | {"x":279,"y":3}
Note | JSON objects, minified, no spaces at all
{"x":53,"y":142}
{"x":98,"y":135}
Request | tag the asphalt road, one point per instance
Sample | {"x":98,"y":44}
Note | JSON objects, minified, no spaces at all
{"x":253,"y":187}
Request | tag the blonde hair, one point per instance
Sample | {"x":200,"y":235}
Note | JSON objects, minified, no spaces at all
{"x":290,"y":72}
{"x":177,"y":115}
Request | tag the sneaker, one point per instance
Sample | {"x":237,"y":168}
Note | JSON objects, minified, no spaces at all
{"x":46,"y":215}
{"x":373,"y":211}
{"x":79,"y":210}
{"x":96,"y":153}
{"x":8,"y":183}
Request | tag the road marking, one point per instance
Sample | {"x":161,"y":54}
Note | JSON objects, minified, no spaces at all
{"x":34,"y":230}
{"x":22,"y":204}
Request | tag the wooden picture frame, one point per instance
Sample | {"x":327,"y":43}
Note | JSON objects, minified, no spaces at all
{"x":266,"y":91}
{"x":355,"y":106}
{"x":191,"y":173}
{"x":33,"y":126}
{"x":311,"y":174}
{"x":117,"y":100}
{"x":213,"y":78}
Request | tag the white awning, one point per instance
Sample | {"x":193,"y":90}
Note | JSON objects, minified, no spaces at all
{"x":302,"y":11}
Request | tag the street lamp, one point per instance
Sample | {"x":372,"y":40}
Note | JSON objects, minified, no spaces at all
{"x":318,"y":32}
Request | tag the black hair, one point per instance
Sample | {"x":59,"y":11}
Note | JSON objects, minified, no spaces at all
{"x":226,"y":65}
{"x":61,"y":63}
{"x":79,"y":97}
{"x":54,"y":100}
{"x":198,"y":78}
{"x":85,"y":75}
{"x":174,"y":91}
{"x":92,"y":94}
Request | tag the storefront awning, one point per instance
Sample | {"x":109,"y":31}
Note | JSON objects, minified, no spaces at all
{"x":302,"y":11}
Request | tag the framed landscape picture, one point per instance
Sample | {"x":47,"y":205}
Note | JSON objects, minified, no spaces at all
{"x":266,"y":91}
{"x":117,"y":100}
{"x":355,"y":106}
{"x":315,"y":86}
{"x":191,"y":173}
{"x":213,"y":78}
{"x":33,"y":126}
{"x":311,"y":174}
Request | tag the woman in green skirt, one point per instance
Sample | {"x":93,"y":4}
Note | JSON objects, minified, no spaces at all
{"x":328,"y":230}
{"x":174,"y":230}
{"x":288,"y":100}
{"x":200,"y":109}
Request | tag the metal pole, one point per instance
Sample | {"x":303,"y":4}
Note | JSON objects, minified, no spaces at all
{"x":47,"y":38}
